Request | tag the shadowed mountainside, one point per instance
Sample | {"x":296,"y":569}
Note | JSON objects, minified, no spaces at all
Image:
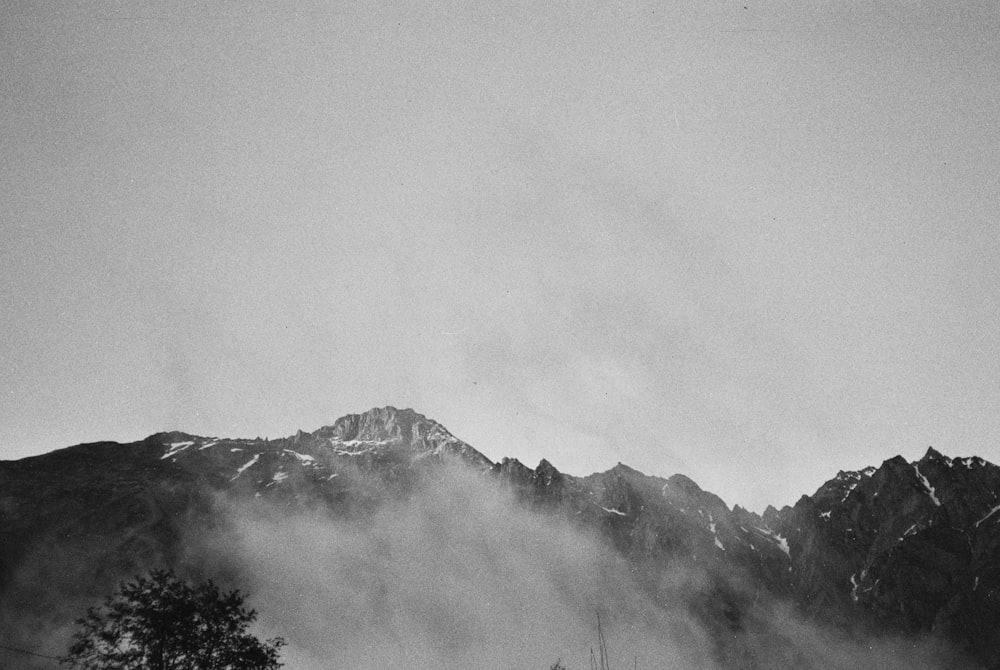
{"x":903,"y":548}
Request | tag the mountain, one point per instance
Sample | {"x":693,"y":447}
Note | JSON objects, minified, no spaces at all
{"x":914,"y":546}
{"x":907,"y":549}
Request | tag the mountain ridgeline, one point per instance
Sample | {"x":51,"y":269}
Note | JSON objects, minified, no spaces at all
{"x":903,"y":551}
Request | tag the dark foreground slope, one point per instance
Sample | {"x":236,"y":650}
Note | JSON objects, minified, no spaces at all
{"x":905,"y":549}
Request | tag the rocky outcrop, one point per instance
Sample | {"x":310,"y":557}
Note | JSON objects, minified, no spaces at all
{"x":905,"y":546}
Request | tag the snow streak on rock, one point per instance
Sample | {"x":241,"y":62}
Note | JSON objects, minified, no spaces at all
{"x":246,"y":465}
{"x":927,"y":485}
{"x":175,"y":448}
{"x":988,"y":515}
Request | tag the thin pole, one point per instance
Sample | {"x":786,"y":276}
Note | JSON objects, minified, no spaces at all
{"x":602,"y":646}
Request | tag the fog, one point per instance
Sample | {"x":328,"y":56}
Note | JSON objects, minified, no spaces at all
{"x":460,"y":575}
{"x":457,"y":576}
{"x":456,"y":573}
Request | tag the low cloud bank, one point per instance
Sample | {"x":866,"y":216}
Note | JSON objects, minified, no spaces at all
{"x":460,"y":576}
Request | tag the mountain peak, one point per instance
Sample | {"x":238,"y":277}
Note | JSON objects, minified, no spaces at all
{"x":383,"y":430}
{"x":379,"y":424}
{"x":684,"y":483}
{"x":623,"y":470}
{"x":933,"y":454}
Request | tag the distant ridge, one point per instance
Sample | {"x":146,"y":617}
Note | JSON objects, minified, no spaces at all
{"x":904,"y":546}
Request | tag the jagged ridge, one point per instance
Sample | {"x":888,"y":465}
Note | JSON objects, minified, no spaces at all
{"x":909,"y":546}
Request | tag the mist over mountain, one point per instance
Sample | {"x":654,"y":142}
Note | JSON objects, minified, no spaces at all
{"x":382,"y":540}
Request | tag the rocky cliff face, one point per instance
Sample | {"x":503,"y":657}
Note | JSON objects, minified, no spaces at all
{"x":902,"y":547}
{"x":907,"y":545}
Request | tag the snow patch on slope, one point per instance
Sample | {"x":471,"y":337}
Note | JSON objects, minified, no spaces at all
{"x":780,"y":540}
{"x":245,"y":466}
{"x":988,"y":515}
{"x":927,"y":485}
{"x":176,"y":448}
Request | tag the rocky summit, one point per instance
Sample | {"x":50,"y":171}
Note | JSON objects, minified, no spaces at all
{"x":896,"y":549}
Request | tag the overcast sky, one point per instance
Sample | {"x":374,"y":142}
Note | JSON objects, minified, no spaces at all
{"x":752,"y":242}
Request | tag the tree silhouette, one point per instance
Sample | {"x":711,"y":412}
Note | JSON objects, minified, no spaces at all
{"x":160,"y":622}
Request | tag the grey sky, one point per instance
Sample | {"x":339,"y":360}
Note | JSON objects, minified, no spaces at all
{"x":752,"y":242}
